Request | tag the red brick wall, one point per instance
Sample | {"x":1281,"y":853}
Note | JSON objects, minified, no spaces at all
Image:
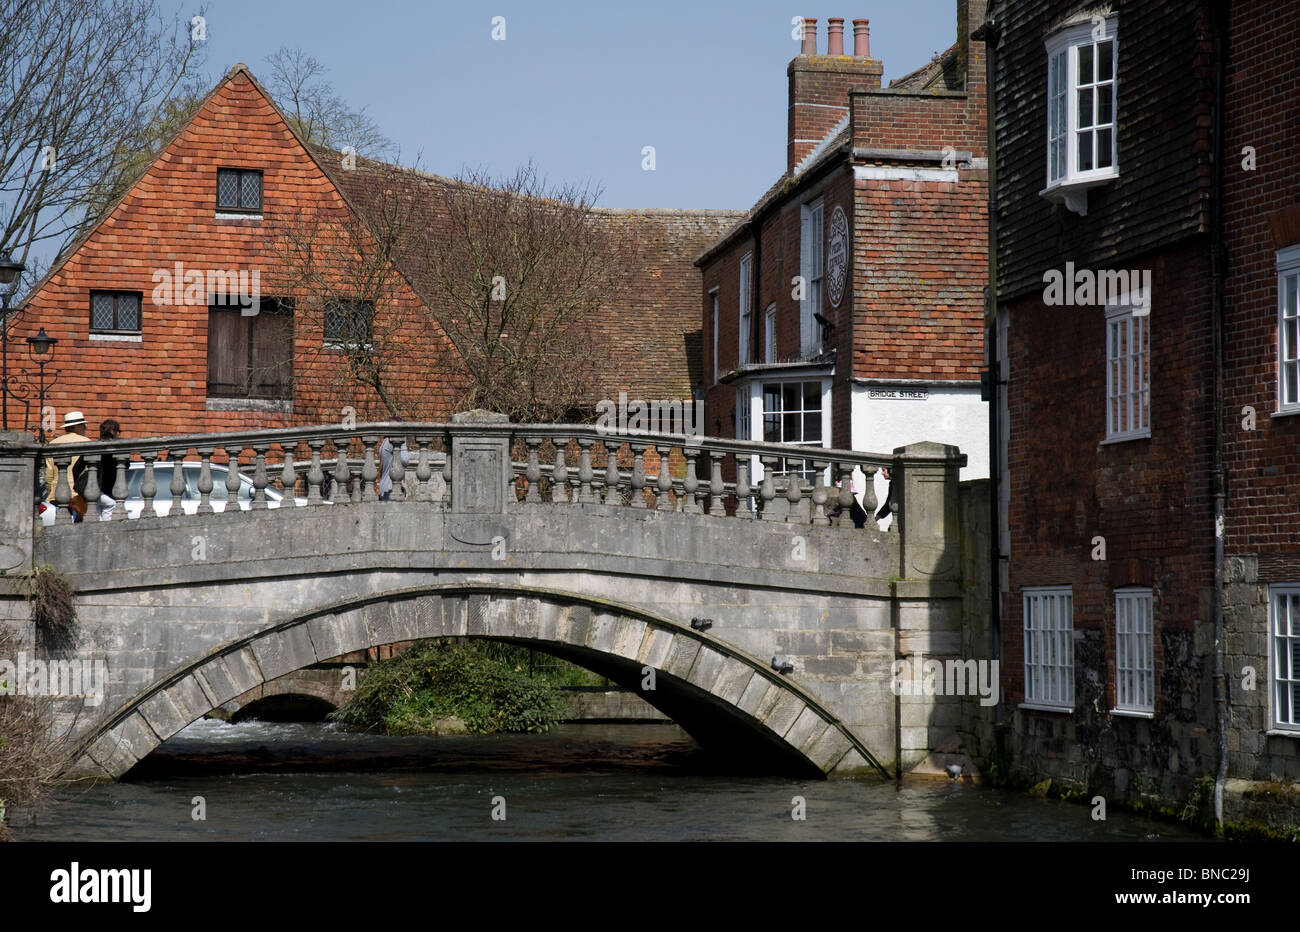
{"x":819,"y":97}
{"x":1262,"y":465}
{"x":1149,"y":498}
{"x":159,"y":385}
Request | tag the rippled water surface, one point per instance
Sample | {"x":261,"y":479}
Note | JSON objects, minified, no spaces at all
{"x":308,"y":782}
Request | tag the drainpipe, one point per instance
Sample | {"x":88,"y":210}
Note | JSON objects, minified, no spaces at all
{"x":988,"y":33}
{"x":1218,"y":265}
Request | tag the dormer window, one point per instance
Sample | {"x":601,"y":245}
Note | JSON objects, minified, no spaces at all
{"x":1082,"y":146}
{"x":239,"y":191}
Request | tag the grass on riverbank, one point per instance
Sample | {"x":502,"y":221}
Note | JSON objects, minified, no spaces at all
{"x":480,"y":684}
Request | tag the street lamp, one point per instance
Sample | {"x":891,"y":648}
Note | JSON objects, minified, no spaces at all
{"x":9,"y":272}
{"x":41,"y":348}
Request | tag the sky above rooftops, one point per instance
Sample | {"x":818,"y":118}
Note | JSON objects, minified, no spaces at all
{"x":580,"y":88}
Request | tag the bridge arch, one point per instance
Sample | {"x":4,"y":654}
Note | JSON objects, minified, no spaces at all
{"x":717,"y":692}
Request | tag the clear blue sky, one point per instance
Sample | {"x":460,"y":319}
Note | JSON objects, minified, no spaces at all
{"x":577,"y":87}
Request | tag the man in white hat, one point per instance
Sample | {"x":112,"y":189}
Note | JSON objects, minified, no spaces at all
{"x":73,"y":423}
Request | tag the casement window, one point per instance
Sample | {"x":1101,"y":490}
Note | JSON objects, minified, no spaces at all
{"x":1128,"y":373}
{"x":239,"y":190}
{"x":769,"y":334}
{"x":746,"y":310}
{"x":714,"y":296}
{"x":349,"y":324}
{"x":743,"y":420}
{"x":810,"y":267}
{"x":1049,"y":646}
{"x":795,"y":413}
{"x":1284,"y":655}
{"x":1134,"y":651}
{"x":1288,"y":329}
{"x":251,"y":356}
{"x":1082,"y":144}
{"x":115,"y":311}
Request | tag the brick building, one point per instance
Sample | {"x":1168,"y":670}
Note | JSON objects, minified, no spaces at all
{"x":845,"y":308}
{"x":143,"y":339}
{"x":1145,"y":347}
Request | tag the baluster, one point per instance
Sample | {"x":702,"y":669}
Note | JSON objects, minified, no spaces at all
{"x":446,"y":469}
{"x":613,"y":495}
{"x":315,"y":475}
{"x":288,"y":478}
{"x":585,"y":474}
{"x":744,"y":508}
{"x":716,"y":486}
{"x":123,"y":463}
{"x":794,"y":492}
{"x":560,"y":475}
{"x":423,"y":471}
{"x":205,"y":480}
{"x":691,"y":484}
{"x":397,"y":471}
{"x":149,"y":485}
{"x":260,"y":478}
{"x":339,"y":494}
{"x":664,"y":484}
{"x":62,"y":491}
{"x":369,"y":471}
{"x":767,"y":491}
{"x":846,"y":494}
{"x":896,"y":507}
{"x":819,"y":497}
{"x":176,"y":486}
{"x":638,"y":474}
{"x":93,"y":507}
{"x":534,"y":471}
{"x":232,"y":478}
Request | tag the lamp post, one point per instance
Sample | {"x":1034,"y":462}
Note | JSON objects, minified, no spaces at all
{"x":9,"y":272}
{"x":41,"y":348}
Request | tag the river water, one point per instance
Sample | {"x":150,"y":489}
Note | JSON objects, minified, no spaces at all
{"x":319,"y":782}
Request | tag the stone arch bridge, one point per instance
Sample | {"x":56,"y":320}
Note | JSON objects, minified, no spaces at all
{"x":695,"y":561}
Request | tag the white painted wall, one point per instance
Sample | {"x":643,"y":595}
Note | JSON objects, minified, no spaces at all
{"x":954,"y":416}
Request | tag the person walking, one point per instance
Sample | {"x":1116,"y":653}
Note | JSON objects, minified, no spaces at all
{"x":74,"y":422}
{"x":108,"y":430}
{"x":386,"y":463}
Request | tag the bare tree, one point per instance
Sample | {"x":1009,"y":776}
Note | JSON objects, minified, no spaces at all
{"x":318,"y":114}
{"x":520,"y":270}
{"x":373,"y":352}
{"x":81,"y":80}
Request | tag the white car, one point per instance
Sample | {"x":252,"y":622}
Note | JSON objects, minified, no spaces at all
{"x":162,"y":474}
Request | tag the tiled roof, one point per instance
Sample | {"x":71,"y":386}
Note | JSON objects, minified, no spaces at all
{"x":651,"y":326}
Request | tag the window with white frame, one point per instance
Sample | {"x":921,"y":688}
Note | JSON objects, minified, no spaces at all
{"x":769,"y":334}
{"x":1288,"y":329}
{"x":742,"y":413}
{"x":793,"y":413}
{"x":1284,"y":653}
{"x":1049,"y":646}
{"x":1082,"y":61}
{"x":810,"y":267}
{"x":746,"y":309}
{"x":1128,"y":372}
{"x":1135,"y":682}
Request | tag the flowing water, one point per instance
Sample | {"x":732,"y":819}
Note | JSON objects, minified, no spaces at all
{"x":320,"y":782}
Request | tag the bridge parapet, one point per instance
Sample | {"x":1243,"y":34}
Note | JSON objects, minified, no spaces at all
{"x":496,"y":466}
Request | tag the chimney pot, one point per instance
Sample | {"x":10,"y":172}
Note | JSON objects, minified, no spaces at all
{"x":861,"y":39}
{"x":809,"y":36}
{"x":835,"y":35}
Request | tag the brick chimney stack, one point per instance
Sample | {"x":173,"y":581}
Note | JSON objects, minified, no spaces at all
{"x":820,"y":84}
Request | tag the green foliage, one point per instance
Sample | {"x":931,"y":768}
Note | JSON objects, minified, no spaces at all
{"x":407,"y":694}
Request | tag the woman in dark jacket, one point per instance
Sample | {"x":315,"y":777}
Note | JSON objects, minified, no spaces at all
{"x":108,"y":430}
